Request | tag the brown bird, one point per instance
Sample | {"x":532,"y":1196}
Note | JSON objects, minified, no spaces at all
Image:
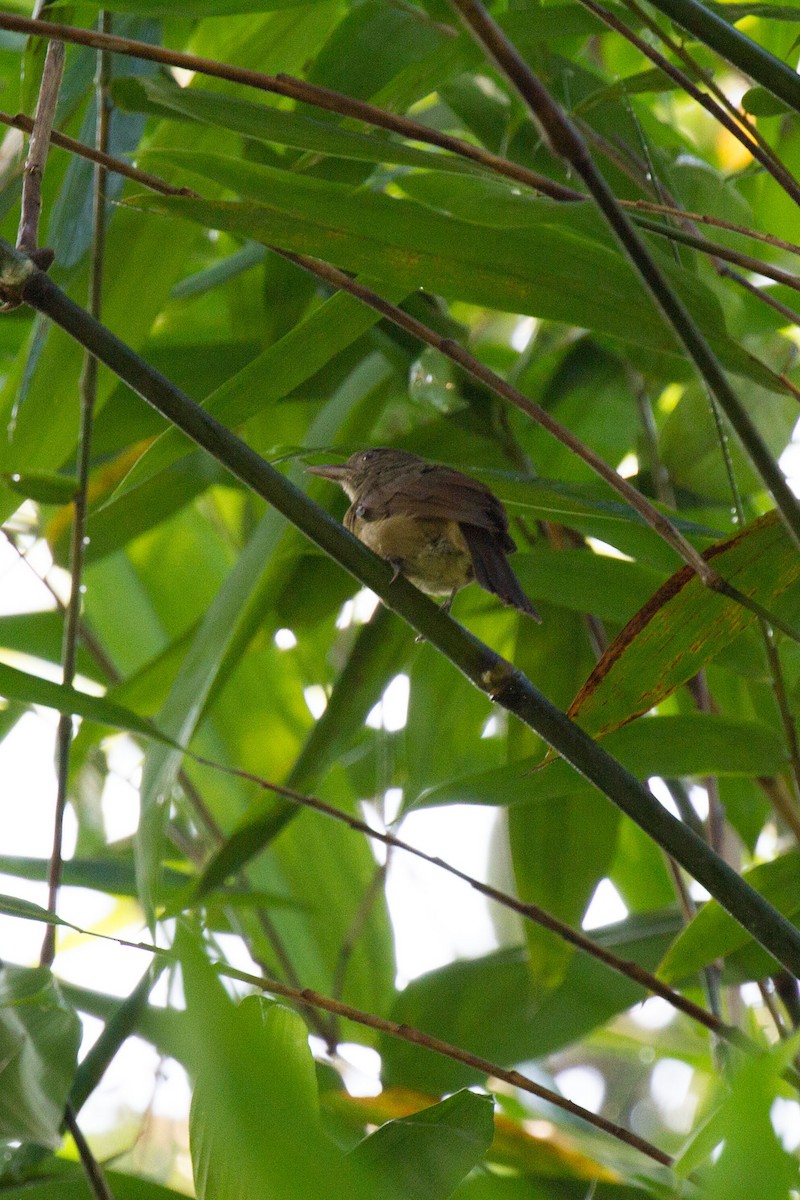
{"x":437,"y":527}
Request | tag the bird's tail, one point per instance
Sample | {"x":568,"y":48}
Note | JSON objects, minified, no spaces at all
{"x":492,"y":570}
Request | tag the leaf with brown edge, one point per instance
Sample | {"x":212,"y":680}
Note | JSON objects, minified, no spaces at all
{"x":685,"y":624}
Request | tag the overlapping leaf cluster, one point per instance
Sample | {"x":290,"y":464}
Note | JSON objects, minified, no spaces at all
{"x":210,"y":623}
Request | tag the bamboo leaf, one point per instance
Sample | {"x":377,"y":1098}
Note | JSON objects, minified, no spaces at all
{"x":300,"y":353}
{"x":39,"y":1038}
{"x":672,"y":746}
{"x":546,"y":270}
{"x":685,"y":625}
{"x":712,"y":934}
{"x":269,"y":124}
{"x":31,"y":689}
{"x":425,"y":1156}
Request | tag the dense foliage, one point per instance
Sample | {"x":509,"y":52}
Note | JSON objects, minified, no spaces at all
{"x":210,"y":624}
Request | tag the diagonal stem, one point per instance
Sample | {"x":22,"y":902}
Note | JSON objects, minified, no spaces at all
{"x":28,"y":235}
{"x":496,"y":383}
{"x":530,"y":912}
{"x":95,"y":1176}
{"x":295,"y":89}
{"x":745,"y":135}
{"x":565,"y":140}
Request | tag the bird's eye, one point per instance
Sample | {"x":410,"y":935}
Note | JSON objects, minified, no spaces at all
{"x":368,"y":454}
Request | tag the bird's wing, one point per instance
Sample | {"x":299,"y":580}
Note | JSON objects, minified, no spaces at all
{"x":439,"y":493}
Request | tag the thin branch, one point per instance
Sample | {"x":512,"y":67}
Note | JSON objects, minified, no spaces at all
{"x":765,"y":297}
{"x":295,"y":89}
{"x":703,"y":219}
{"x":530,"y":912}
{"x":408,"y":1033}
{"x":92,"y":1169}
{"x":712,"y":106}
{"x":88,"y":394}
{"x":746,"y":261}
{"x":28,"y":234}
{"x":306,"y":997}
{"x":565,"y":140}
{"x":499,"y":679}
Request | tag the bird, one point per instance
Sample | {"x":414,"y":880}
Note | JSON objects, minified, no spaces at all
{"x":439,"y":528}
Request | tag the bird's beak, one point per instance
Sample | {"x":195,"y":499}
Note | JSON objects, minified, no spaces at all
{"x":336,"y":471}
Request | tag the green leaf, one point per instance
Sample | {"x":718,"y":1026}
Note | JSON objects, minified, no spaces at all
{"x":121,"y":520}
{"x":546,"y":269}
{"x":696,"y":744}
{"x":459,"y":1003}
{"x":40,"y":634}
{"x":15,"y":906}
{"x":425,"y":1156}
{"x":741,"y":1126}
{"x":186,"y":700}
{"x":380,"y":648}
{"x":760,"y":103}
{"x":608,"y":588}
{"x":269,"y":124}
{"x":30,"y":689}
{"x":686,"y":624}
{"x":256,"y":1049}
{"x":117,"y":877}
{"x":60,"y":1180}
{"x":44,"y":487}
{"x":714,"y":934}
{"x":39,"y":1039}
{"x":298,"y":355}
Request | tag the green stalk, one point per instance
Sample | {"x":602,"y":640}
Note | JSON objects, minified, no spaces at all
{"x":735,"y":47}
{"x":565,"y":140}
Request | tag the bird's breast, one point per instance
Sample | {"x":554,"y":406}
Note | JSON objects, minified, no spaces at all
{"x":432,"y":553}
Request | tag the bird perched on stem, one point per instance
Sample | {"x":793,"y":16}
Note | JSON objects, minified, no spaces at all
{"x":439,"y":528}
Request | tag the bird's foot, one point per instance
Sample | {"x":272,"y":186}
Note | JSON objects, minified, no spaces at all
{"x":448,"y":604}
